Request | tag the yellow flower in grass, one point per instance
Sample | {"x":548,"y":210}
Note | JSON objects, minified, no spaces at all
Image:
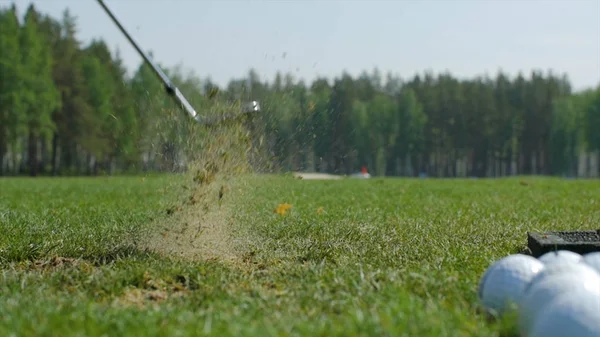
{"x":320,"y":210}
{"x":282,"y":209}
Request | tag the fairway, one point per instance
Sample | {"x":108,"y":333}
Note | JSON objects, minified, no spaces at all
{"x":377,"y":257}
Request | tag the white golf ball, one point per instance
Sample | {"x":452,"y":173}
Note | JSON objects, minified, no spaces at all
{"x":581,"y":269}
{"x":592,"y":260}
{"x":541,"y":294}
{"x":560,"y":256}
{"x":576,"y":312}
{"x":504,"y":281}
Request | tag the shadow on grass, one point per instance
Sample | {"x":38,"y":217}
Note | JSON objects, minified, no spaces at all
{"x":521,"y":249}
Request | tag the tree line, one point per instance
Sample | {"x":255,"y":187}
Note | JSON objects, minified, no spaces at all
{"x":71,"y":109}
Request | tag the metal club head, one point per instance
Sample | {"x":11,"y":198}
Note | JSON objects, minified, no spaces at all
{"x":170,"y":87}
{"x":253,"y":106}
{"x":249,"y":108}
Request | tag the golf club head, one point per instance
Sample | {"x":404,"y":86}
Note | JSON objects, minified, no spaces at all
{"x":248,"y":108}
{"x":252,"y":106}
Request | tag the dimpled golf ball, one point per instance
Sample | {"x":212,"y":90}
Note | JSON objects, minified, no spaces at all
{"x":560,"y":256}
{"x":575,"y":313}
{"x":580,"y":269}
{"x":504,"y":281}
{"x":592,"y":260}
{"x":540,"y":294}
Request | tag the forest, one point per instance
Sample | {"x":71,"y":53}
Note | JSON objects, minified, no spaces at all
{"x":68,"y":108}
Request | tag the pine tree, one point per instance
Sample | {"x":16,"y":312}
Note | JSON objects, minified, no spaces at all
{"x":40,"y":96}
{"x":11,"y":113}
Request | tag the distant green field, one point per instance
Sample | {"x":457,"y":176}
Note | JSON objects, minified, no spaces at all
{"x":379,"y":257}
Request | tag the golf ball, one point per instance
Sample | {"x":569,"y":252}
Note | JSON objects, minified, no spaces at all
{"x":541,"y":294}
{"x":580,"y":269}
{"x":592,"y":260}
{"x":576,"y":312}
{"x":504,"y":281}
{"x":560,"y":256}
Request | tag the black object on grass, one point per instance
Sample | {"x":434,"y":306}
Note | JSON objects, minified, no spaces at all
{"x":581,"y":242}
{"x":170,"y":87}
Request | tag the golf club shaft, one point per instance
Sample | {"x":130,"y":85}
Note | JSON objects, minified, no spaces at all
{"x":171,"y":89}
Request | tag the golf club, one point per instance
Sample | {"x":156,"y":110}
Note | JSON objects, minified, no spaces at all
{"x":172,"y":90}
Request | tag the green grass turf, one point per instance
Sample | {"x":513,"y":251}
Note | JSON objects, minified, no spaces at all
{"x":379,"y":257}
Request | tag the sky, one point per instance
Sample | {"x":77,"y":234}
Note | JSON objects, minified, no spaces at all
{"x":224,"y":39}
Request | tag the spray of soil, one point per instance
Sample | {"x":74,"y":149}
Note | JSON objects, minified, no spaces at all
{"x":201,"y":229}
{"x":200,"y":226}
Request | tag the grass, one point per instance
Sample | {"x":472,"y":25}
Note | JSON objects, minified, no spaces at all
{"x":379,"y":257}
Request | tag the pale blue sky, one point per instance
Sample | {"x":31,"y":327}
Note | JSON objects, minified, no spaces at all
{"x":225,"y":38}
